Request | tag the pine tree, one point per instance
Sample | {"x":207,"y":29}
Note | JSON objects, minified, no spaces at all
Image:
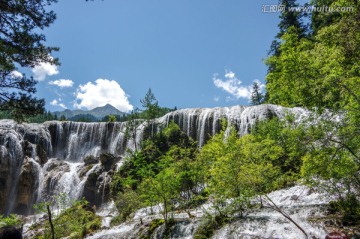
{"x":257,"y":97}
{"x":152,"y":109}
{"x":287,"y":19}
{"x":22,"y":45}
{"x":322,"y":19}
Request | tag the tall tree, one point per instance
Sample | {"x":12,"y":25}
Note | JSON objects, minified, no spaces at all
{"x":22,"y":45}
{"x":257,"y":97}
{"x":151,"y":107}
{"x":287,"y":19}
{"x":321,"y":19}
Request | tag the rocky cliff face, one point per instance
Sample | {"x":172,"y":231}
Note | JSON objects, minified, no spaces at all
{"x":41,"y":160}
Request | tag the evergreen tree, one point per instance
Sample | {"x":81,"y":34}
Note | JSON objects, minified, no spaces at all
{"x":290,"y":19}
{"x":22,"y":45}
{"x":151,"y":107}
{"x":257,"y":97}
{"x":287,"y":19}
{"x":322,"y":19}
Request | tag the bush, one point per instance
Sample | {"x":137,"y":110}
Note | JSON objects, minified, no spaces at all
{"x":349,"y":207}
{"x":126,"y":202}
{"x":74,"y":223}
{"x":11,"y":220}
{"x":209,"y":226}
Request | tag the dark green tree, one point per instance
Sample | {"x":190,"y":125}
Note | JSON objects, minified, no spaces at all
{"x":287,"y":19}
{"x":22,"y":45}
{"x":290,"y":18}
{"x":322,"y":19}
{"x":152,"y":109}
{"x":257,"y":97}
{"x":150,"y":105}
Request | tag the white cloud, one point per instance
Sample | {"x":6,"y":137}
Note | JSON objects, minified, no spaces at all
{"x":16,"y":74}
{"x":57,"y":103}
{"x":101,"y":93}
{"x":62,"y":83}
{"x":44,"y":69}
{"x":230,"y":74}
{"x":216,"y":99}
{"x":232,"y":85}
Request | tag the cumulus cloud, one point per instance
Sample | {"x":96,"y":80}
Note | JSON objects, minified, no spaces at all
{"x":44,"y":69}
{"x":57,"y":103}
{"x":100,"y":93}
{"x":62,"y":83}
{"x":16,"y":74}
{"x":232,"y":85}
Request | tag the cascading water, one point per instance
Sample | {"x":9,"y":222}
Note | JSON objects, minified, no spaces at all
{"x":304,"y":205}
{"x":202,"y":123}
{"x":38,"y":161}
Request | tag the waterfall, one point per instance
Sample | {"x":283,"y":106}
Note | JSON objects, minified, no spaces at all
{"x":79,"y":158}
{"x":202,"y":123}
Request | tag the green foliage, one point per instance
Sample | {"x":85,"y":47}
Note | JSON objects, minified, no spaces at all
{"x":349,"y":208}
{"x":322,"y":72}
{"x":288,"y":82}
{"x":126,"y":202}
{"x":74,"y":222}
{"x":240,"y":168}
{"x":62,"y":118}
{"x":22,"y":44}
{"x":163,"y":171}
{"x":145,"y":163}
{"x":11,"y":220}
{"x":150,"y":105}
{"x":162,"y":188}
{"x":155,"y":224}
{"x":288,"y":135}
{"x":112,"y":119}
{"x":323,"y":19}
{"x":288,"y":20}
{"x":77,"y":221}
{"x":256,"y":97}
{"x":152,"y":110}
{"x":84,"y":118}
{"x":209,"y":225}
{"x":39,"y":118}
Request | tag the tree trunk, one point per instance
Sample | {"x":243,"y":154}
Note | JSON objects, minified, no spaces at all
{"x":50,"y":221}
{"x":276,"y":208}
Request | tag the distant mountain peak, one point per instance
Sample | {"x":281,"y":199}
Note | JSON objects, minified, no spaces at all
{"x":98,"y":112}
{"x":107,"y":106}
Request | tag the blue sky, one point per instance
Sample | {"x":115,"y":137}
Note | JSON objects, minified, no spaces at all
{"x":191,"y":53}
